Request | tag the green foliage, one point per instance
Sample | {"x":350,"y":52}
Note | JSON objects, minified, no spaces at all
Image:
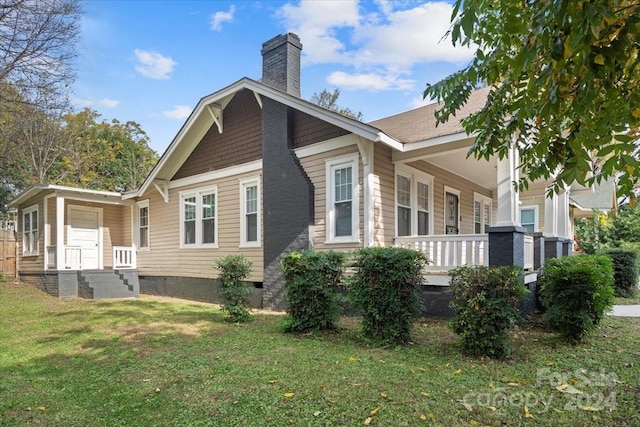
{"x":485,"y":300}
{"x":591,"y":233}
{"x":311,"y":278}
{"x":564,"y":79}
{"x":576,"y":291}
{"x":329,"y":100}
{"x":625,"y":271}
{"x":620,"y":228}
{"x":233,"y":270}
{"x":386,"y":288}
{"x":3,"y":277}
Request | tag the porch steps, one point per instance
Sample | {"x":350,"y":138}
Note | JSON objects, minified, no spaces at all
{"x":100,"y":284}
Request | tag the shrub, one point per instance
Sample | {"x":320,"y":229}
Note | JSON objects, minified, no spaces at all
{"x":310,"y":281}
{"x":625,"y":271}
{"x":386,"y":289}
{"x":576,"y":291}
{"x":234,"y":269}
{"x":485,"y":301}
{"x":3,"y":277}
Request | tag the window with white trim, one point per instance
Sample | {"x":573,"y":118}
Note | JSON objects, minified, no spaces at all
{"x":143,"y":224}
{"x":30,"y":231}
{"x":198,"y":213}
{"x":481,"y":213}
{"x":342,"y":199}
{"x":414,"y":195}
{"x":529,"y":218}
{"x":250,"y":212}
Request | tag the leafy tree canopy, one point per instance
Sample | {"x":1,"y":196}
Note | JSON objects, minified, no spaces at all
{"x":329,"y":100}
{"x":565,"y":78}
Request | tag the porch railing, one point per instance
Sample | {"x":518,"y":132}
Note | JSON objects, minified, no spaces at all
{"x":72,"y":257}
{"x":124,"y":257}
{"x":448,"y":251}
{"x":528,"y":252}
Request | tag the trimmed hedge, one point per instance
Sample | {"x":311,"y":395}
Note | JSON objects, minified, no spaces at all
{"x":386,"y":289}
{"x":576,"y":291}
{"x":310,"y":281}
{"x":234,"y":269}
{"x":485,"y":301}
{"x":625,"y":271}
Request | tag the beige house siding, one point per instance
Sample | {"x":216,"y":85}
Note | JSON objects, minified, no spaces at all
{"x":441,"y":179}
{"x":384,"y":208}
{"x":315,"y":167}
{"x":36,"y":262}
{"x":166,"y":258}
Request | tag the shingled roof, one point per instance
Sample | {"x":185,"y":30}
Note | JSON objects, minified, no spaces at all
{"x":419,"y":124}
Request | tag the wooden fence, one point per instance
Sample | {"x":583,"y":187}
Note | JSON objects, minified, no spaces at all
{"x":8,"y":253}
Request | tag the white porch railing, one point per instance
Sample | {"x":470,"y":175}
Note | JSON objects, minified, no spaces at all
{"x":124,"y":257}
{"x":448,"y":251}
{"x":528,"y":252}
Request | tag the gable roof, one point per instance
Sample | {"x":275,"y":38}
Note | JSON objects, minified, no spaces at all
{"x":210,"y":108}
{"x":34,"y":190}
{"x":420,"y":124}
{"x":600,"y":197}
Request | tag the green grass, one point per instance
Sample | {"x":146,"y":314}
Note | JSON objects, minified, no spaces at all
{"x":633,"y":300}
{"x":167,"y":363}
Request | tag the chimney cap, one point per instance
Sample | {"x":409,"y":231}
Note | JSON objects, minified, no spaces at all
{"x":279,"y":40}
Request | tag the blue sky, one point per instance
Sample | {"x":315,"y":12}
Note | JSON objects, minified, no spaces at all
{"x":151,"y":61}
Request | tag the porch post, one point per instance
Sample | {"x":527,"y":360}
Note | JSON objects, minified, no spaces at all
{"x":564,"y":226}
{"x":366,"y":154}
{"x":60,"y":233}
{"x":506,"y":237}
{"x":552,"y":242}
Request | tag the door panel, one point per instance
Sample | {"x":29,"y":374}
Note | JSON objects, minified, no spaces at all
{"x":452,"y":213}
{"x":84,"y":232}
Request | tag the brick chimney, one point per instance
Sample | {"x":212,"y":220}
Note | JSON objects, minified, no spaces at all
{"x":281,"y":63}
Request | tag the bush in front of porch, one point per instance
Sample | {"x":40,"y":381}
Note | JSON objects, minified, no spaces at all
{"x":485,"y":301}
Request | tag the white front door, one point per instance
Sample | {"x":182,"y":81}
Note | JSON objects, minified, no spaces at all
{"x":84,"y":232}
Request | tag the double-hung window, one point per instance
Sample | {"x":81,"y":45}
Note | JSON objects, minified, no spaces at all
{"x":143,"y":224}
{"x":414,"y":195}
{"x":529,"y":218}
{"x":342,"y":199}
{"x":481,"y":213}
{"x":198,"y":214}
{"x":30,"y":230}
{"x":250,"y":212}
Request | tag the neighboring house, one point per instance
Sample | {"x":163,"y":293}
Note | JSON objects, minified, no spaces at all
{"x":258,"y":171}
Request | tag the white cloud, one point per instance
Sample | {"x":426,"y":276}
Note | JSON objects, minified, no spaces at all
{"x":368,"y":81}
{"x":378,"y":42}
{"x":104,"y":102}
{"x":220,"y":17}
{"x":154,"y":65}
{"x":179,"y":112}
{"x":419,"y":101}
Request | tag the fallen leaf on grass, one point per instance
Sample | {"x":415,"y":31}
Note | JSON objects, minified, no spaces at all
{"x":569,"y":389}
{"x":493,"y":408}
{"x":356,"y":384}
{"x":315,"y":414}
{"x":384,"y":395}
{"x":457,"y":372}
{"x":272,"y":381}
{"x":473,"y":422}
{"x":352,"y":359}
{"x":289,"y":394}
{"x":424,"y":393}
{"x":368,"y":421}
{"x":513,"y":384}
{"x":432,"y":416}
{"x":589,"y":408}
{"x":41,"y":408}
{"x":527,"y":414}
{"x":466,"y":405}
{"x":374,"y":411}
{"x":423,"y":417}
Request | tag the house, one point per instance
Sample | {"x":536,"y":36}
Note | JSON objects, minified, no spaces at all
{"x":258,"y":171}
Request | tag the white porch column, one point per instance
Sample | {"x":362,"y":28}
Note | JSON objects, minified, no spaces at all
{"x":366,"y":153}
{"x":551,"y":215}
{"x":508,"y":197}
{"x":563,"y":215}
{"x":60,"y":261}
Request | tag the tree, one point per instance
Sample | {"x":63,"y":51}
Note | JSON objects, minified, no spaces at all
{"x":37,"y":47}
{"x":565,"y":86}
{"x":329,"y":100}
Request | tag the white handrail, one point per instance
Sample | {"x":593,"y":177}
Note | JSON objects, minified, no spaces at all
{"x":447,"y":251}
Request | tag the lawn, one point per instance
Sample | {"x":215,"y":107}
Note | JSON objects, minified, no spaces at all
{"x":175,"y":363}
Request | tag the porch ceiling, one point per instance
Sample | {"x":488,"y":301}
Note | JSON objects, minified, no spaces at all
{"x":481,"y":172}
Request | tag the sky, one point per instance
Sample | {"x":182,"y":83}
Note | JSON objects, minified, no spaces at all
{"x":151,"y":61}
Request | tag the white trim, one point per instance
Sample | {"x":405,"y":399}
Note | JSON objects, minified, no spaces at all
{"x":60,"y":201}
{"x":198,"y":193}
{"x":451,"y":190}
{"x":217,"y":174}
{"x":439,"y":140}
{"x":100,"y":249}
{"x":535,"y":209}
{"x":29,"y":211}
{"x":45,"y":236}
{"x":414,"y":175}
{"x":330,"y":165}
{"x":328,"y":145}
{"x":484,"y":201}
{"x":243,"y":184}
{"x":136,"y":239}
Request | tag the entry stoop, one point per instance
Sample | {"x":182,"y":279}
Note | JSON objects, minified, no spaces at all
{"x":101,"y":284}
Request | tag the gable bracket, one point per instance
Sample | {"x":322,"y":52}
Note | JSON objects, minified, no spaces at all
{"x":365,"y":150}
{"x":216,"y":113}
{"x":258,"y":98}
{"x":163,"y":188}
